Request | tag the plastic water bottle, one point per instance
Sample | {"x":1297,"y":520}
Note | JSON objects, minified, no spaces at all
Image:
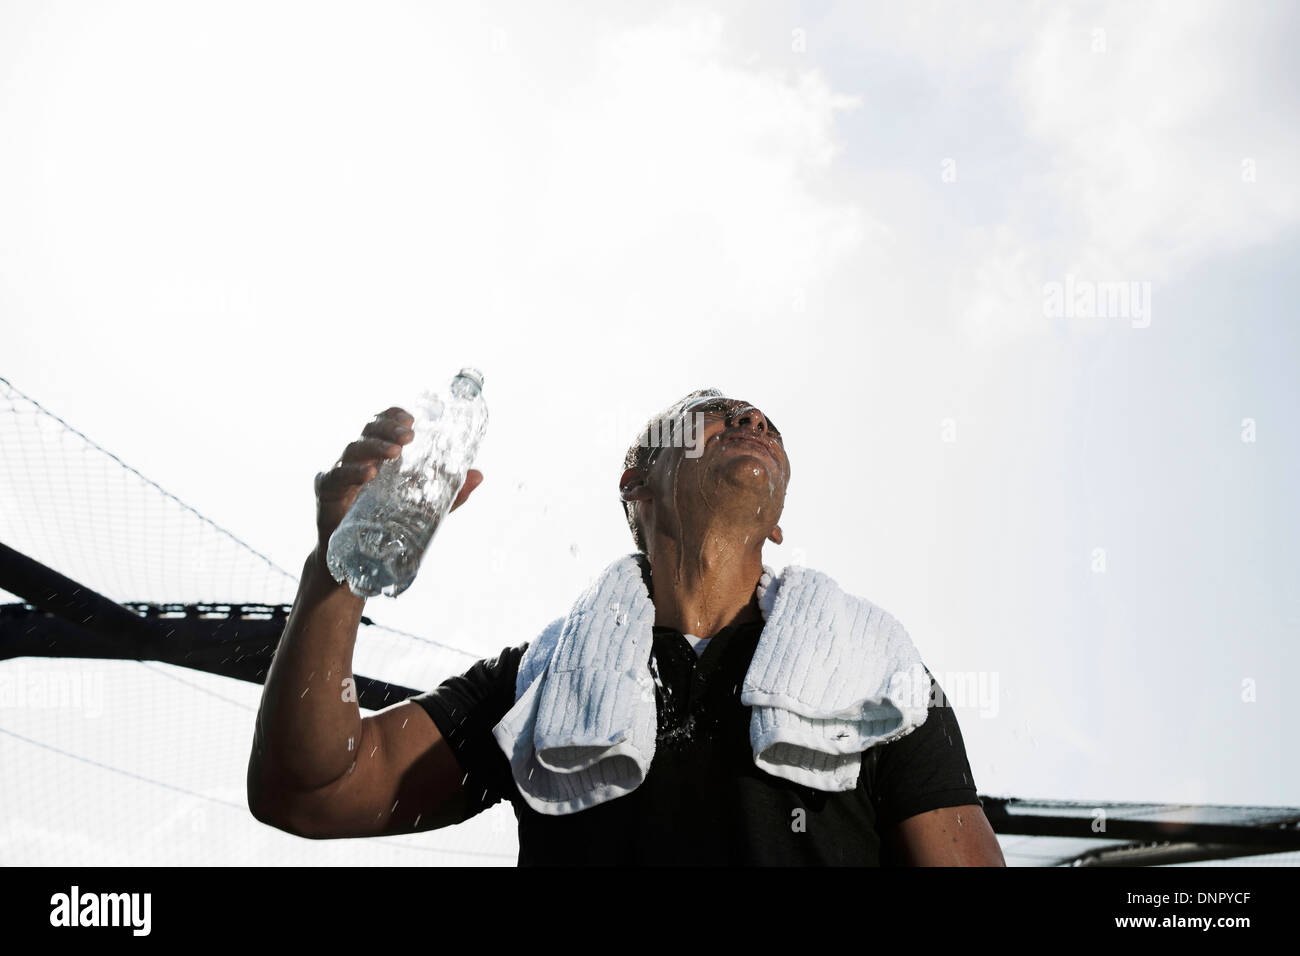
{"x":378,"y":546}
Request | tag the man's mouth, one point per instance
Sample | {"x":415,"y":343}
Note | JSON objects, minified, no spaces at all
{"x":751,"y":440}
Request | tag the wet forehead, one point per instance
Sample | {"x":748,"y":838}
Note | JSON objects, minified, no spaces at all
{"x":713,"y":403}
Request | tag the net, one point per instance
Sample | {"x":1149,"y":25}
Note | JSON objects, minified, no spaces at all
{"x":125,"y":762}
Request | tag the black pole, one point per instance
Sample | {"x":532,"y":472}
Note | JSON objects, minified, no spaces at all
{"x":1277,"y":837}
{"x":63,"y":597}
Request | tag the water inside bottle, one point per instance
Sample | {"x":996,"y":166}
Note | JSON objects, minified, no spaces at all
{"x":378,"y":546}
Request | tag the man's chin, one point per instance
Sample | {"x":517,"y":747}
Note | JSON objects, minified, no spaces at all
{"x":750,"y":476}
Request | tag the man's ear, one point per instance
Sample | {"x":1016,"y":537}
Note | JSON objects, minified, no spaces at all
{"x":775,"y":535}
{"x":632,"y":486}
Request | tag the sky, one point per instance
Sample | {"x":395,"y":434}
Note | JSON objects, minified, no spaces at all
{"x":1012,"y":277}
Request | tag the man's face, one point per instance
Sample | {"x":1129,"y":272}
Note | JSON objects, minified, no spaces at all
{"x":731,"y":468}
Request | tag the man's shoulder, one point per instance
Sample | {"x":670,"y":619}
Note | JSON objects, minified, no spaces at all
{"x":921,"y":770}
{"x":514,"y":652}
{"x":504,"y":666}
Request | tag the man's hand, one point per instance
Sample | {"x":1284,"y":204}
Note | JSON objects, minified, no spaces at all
{"x":380,"y":441}
{"x":949,"y":836}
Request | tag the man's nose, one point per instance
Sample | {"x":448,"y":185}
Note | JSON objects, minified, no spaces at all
{"x":750,"y":417}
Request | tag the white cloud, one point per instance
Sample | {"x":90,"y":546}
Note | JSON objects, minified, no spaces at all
{"x":1107,"y":140}
{"x":1149,"y":133}
{"x":677,"y":171}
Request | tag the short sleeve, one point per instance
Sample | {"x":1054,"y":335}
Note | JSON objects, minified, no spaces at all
{"x":465,"y":708}
{"x":925,"y":769}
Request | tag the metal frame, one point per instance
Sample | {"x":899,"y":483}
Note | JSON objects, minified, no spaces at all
{"x":63,"y":618}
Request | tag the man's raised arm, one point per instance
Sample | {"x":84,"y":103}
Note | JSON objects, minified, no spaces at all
{"x":318,"y":768}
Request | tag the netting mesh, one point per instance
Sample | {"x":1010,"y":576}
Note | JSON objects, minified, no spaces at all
{"x":129,"y":762}
{"x":75,"y":507}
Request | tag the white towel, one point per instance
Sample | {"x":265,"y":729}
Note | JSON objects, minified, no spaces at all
{"x":832,"y":675}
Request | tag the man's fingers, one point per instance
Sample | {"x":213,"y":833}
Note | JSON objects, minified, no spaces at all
{"x":399,"y":415}
{"x":389,"y":430}
{"x":473,"y":478}
{"x":382,"y":440}
{"x":342,"y":477}
{"x":370,"y":449}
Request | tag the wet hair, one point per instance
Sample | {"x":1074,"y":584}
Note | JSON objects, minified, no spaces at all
{"x":642,"y":453}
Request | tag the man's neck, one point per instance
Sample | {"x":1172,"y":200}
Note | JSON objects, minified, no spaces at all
{"x":707,"y":585}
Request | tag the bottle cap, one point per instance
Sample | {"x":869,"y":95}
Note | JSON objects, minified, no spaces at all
{"x":473,"y":374}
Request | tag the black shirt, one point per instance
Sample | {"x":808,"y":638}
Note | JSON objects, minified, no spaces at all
{"x":704,"y":801}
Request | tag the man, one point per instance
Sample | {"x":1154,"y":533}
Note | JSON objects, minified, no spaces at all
{"x":700,"y":512}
